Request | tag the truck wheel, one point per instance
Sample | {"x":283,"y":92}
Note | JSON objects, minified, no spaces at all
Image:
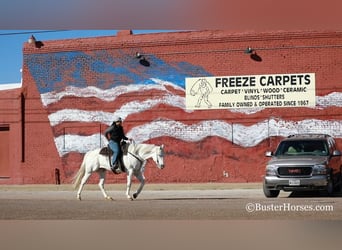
{"x":270,"y":193}
{"x":330,"y":186}
{"x":338,"y":184}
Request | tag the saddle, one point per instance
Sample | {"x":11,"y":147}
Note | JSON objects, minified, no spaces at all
{"x":118,"y":167}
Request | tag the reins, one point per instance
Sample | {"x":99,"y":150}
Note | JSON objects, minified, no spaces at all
{"x":136,"y":157}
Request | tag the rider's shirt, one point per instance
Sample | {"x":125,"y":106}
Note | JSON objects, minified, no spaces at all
{"x":116,"y":133}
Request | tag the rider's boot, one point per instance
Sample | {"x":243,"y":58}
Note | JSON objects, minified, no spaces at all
{"x":116,"y":168}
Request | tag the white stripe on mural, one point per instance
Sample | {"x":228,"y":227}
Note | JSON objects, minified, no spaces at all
{"x":106,"y":95}
{"x":245,"y":136}
{"x":68,"y":115}
{"x":72,"y":115}
{"x":333,"y":99}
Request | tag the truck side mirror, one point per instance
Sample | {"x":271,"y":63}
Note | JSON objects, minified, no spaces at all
{"x":336,"y":153}
{"x":269,"y":153}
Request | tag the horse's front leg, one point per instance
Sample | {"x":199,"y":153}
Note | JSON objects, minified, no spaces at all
{"x":102,"y":175}
{"x":129,"y":184}
{"x":141,"y":179}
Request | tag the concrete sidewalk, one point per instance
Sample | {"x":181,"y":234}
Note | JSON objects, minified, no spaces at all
{"x":150,"y":191}
{"x":148,"y":186}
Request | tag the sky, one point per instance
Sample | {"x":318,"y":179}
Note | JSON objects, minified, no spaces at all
{"x":18,"y":18}
{"x":11,"y":44}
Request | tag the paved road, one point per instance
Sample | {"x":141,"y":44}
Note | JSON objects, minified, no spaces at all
{"x":219,"y":216}
{"x":165,"y":202}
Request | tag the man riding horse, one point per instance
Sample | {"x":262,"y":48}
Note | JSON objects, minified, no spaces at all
{"x":115,"y":134}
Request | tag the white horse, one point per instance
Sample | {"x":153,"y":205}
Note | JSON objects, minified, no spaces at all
{"x":134,"y":162}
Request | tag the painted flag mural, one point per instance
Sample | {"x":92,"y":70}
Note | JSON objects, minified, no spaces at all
{"x":83,"y":91}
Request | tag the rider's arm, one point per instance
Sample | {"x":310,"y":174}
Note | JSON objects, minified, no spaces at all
{"x":108,"y":131}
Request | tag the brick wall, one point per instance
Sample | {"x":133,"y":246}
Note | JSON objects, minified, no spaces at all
{"x":109,"y":63}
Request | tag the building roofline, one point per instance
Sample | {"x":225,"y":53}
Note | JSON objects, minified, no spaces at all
{"x":130,"y":40}
{"x":9,"y":86}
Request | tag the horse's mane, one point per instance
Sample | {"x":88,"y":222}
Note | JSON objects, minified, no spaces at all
{"x":142,"y":147}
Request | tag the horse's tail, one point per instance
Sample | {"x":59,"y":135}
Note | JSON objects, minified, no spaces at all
{"x":76,"y":180}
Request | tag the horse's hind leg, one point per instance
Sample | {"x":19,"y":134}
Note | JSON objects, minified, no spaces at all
{"x":102,"y":174}
{"x":141,"y":178}
{"x":83,"y":182}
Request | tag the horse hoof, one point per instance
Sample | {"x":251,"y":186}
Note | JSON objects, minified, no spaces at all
{"x":109,"y":198}
{"x":135,"y":196}
{"x":79,"y":198}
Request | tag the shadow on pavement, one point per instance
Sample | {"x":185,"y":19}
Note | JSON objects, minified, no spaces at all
{"x":311,"y":194}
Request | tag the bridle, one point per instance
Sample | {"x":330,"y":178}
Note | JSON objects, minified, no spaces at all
{"x":157,"y":156}
{"x":142,"y":160}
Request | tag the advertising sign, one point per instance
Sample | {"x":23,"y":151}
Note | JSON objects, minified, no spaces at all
{"x":251,"y":91}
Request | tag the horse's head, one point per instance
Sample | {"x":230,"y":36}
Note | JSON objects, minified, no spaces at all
{"x":159,"y":157}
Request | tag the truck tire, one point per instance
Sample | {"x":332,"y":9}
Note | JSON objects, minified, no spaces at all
{"x":339,"y":187}
{"x":330,"y":186}
{"x":270,"y":193}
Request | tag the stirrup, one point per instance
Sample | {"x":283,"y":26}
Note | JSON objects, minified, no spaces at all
{"x":116,"y":168}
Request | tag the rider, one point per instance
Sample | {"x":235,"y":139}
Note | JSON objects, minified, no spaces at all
{"x":115,"y":134}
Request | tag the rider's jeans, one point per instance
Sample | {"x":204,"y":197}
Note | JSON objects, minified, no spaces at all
{"x":114,"y":146}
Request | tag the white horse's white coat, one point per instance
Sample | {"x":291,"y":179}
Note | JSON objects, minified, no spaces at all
{"x":134,"y":162}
